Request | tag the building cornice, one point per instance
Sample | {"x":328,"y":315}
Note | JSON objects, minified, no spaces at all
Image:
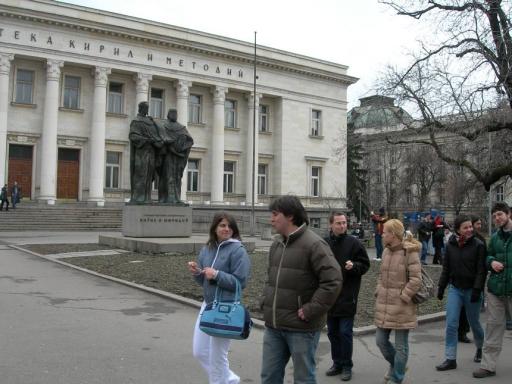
{"x":84,"y":19}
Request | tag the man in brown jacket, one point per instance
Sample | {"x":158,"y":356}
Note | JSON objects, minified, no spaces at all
{"x":304,"y":280}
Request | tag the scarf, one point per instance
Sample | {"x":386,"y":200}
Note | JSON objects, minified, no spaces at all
{"x":461,"y":239}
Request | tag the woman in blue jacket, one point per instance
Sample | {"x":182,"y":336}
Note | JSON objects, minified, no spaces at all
{"x":221,"y":262}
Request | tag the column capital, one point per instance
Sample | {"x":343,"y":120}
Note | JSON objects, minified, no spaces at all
{"x":5,"y":63}
{"x":250,"y":99}
{"x":182,"y":88}
{"x":53,"y":69}
{"x":101,"y":76}
{"x":142,"y":82}
{"x":219,"y":94}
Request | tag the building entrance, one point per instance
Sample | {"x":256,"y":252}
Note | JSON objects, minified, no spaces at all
{"x":68,"y":173}
{"x":20,"y":168}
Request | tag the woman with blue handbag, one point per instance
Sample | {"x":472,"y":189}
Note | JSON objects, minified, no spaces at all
{"x":221,"y":262}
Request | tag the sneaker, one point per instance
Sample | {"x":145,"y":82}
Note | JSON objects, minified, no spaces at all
{"x":478,"y":355}
{"x":346,"y":374}
{"x":481,"y":373}
{"x":333,"y":371}
{"x":447,"y":365}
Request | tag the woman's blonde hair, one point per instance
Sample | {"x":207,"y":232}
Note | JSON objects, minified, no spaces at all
{"x":396,"y":227}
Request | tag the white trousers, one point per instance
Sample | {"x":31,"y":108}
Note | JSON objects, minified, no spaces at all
{"x":212,"y":353}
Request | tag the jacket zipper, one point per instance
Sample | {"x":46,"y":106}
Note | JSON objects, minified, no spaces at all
{"x":274,"y":319}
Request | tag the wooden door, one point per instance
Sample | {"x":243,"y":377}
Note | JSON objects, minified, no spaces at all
{"x":68,"y":173}
{"x":20,"y":168}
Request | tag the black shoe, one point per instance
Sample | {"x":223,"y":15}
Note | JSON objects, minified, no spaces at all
{"x":478,"y":355}
{"x":481,"y":373}
{"x":333,"y":371}
{"x":464,"y":339}
{"x":447,"y":365}
{"x":346,"y":374}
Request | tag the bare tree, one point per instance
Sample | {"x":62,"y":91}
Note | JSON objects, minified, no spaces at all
{"x":460,"y":83}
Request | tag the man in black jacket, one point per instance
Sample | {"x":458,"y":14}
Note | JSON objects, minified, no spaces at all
{"x":354,"y":262}
{"x":424,"y":233}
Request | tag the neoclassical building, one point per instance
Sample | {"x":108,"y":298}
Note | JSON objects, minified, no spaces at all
{"x":71,"y":78}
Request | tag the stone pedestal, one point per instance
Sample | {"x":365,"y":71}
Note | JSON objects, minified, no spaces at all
{"x":157,"y":220}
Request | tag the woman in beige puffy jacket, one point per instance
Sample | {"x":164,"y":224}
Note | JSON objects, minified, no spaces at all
{"x":399,"y":280}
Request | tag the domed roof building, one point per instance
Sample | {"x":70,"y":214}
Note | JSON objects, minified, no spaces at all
{"x":377,"y":114}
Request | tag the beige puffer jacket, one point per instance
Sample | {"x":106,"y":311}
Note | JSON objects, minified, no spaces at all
{"x":394,"y":308}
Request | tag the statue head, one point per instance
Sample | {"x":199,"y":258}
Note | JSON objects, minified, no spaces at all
{"x":172,"y":115}
{"x":143,"y":108}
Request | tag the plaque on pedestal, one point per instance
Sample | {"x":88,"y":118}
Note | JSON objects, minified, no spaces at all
{"x":157,"y":220}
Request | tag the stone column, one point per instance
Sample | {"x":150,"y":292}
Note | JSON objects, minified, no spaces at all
{"x":97,"y":138}
{"x":217,"y":165}
{"x":5,"y":70}
{"x":49,"y":152}
{"x":182,"y":88}
{"x":141,"y":88}
{"x":251,"y":183}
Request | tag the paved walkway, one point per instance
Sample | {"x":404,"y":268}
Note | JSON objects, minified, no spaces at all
{"x":60,"y":325}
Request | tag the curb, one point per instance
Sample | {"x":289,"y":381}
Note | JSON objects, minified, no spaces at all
{"x":259,"y":324}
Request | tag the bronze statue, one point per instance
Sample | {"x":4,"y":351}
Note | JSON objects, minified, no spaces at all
{"x":173,"y":158}
{"x":145,"y":140}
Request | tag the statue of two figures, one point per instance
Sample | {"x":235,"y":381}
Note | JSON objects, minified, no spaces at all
{"x":158,"y":151}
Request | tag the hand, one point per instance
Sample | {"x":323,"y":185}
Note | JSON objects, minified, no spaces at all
{"x":475,"y":295}
{"x":349,"y":265}
{"x":440,"y":294}
{"x":193,"y":268}
{"x":497,"y":266}
{"x":301,"y":314}
{"x":210,"y":273}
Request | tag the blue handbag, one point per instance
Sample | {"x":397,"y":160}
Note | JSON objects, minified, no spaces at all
{"x":229,"y":319}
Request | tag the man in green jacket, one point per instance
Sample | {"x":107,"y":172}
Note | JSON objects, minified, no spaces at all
{"x":499,"y":286}
{"x":304,"y":280}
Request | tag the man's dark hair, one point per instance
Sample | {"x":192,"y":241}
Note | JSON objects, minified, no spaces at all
{"x":474,"y":219}
{"x":501,"y":206}
{"x":212,"y":240}
{"x":459,"y":220}
{"x":336,"y":213}
{"x":290,"y":206}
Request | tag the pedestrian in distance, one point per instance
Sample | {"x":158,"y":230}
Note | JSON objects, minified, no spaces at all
{"x":4,"y":199}
{"x":499,"y":289}
{"x":378,"y":225}
{"x":15,"y":194}
{"x":438,"y":239}
{"x":221,"y":262}
{"x":354,"y":263}
{"x":464,"y":274}
{"x":424,"y":235}
{"x":399,"y":280}
{"x":304,"y":280}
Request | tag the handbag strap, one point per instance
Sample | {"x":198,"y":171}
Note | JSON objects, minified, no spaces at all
{"x":238,"y":293}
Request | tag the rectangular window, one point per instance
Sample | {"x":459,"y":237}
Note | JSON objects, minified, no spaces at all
{"x":194,"y":109}
{"x":229,"y":177}
{"x":24,"y":86}
{"x":440,"y":193}
{"x":115,"y":98}
{"x":378,"y":176}
{"x":314,"y":222}
{"x":112,"y":171}
{"x":193,"y":176}
{"x":263,"y":124}
{"x":262,"y":179}
{"x":500,"y":193}
{"x":230,"y":113}
{"x":408,"y":196}
{"x":156,"y":103}
{"x":316,"y":122}
{"x":315,"y":181}
{"x":71,"y":97}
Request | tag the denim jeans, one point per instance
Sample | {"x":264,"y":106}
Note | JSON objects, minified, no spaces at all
{"x":279,"y":346}
{"x":456,"y":299}
{"x":340,"y":333}
{"x":396,"y":355}
{"x":424,"y":251}
{"x":378,"y":245}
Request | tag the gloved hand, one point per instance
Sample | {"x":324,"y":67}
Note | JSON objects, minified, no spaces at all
{"x":475,"y":295}
{"x":440,"y":293}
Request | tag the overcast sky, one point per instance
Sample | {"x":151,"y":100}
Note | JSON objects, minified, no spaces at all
{"x":362,"y":34}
